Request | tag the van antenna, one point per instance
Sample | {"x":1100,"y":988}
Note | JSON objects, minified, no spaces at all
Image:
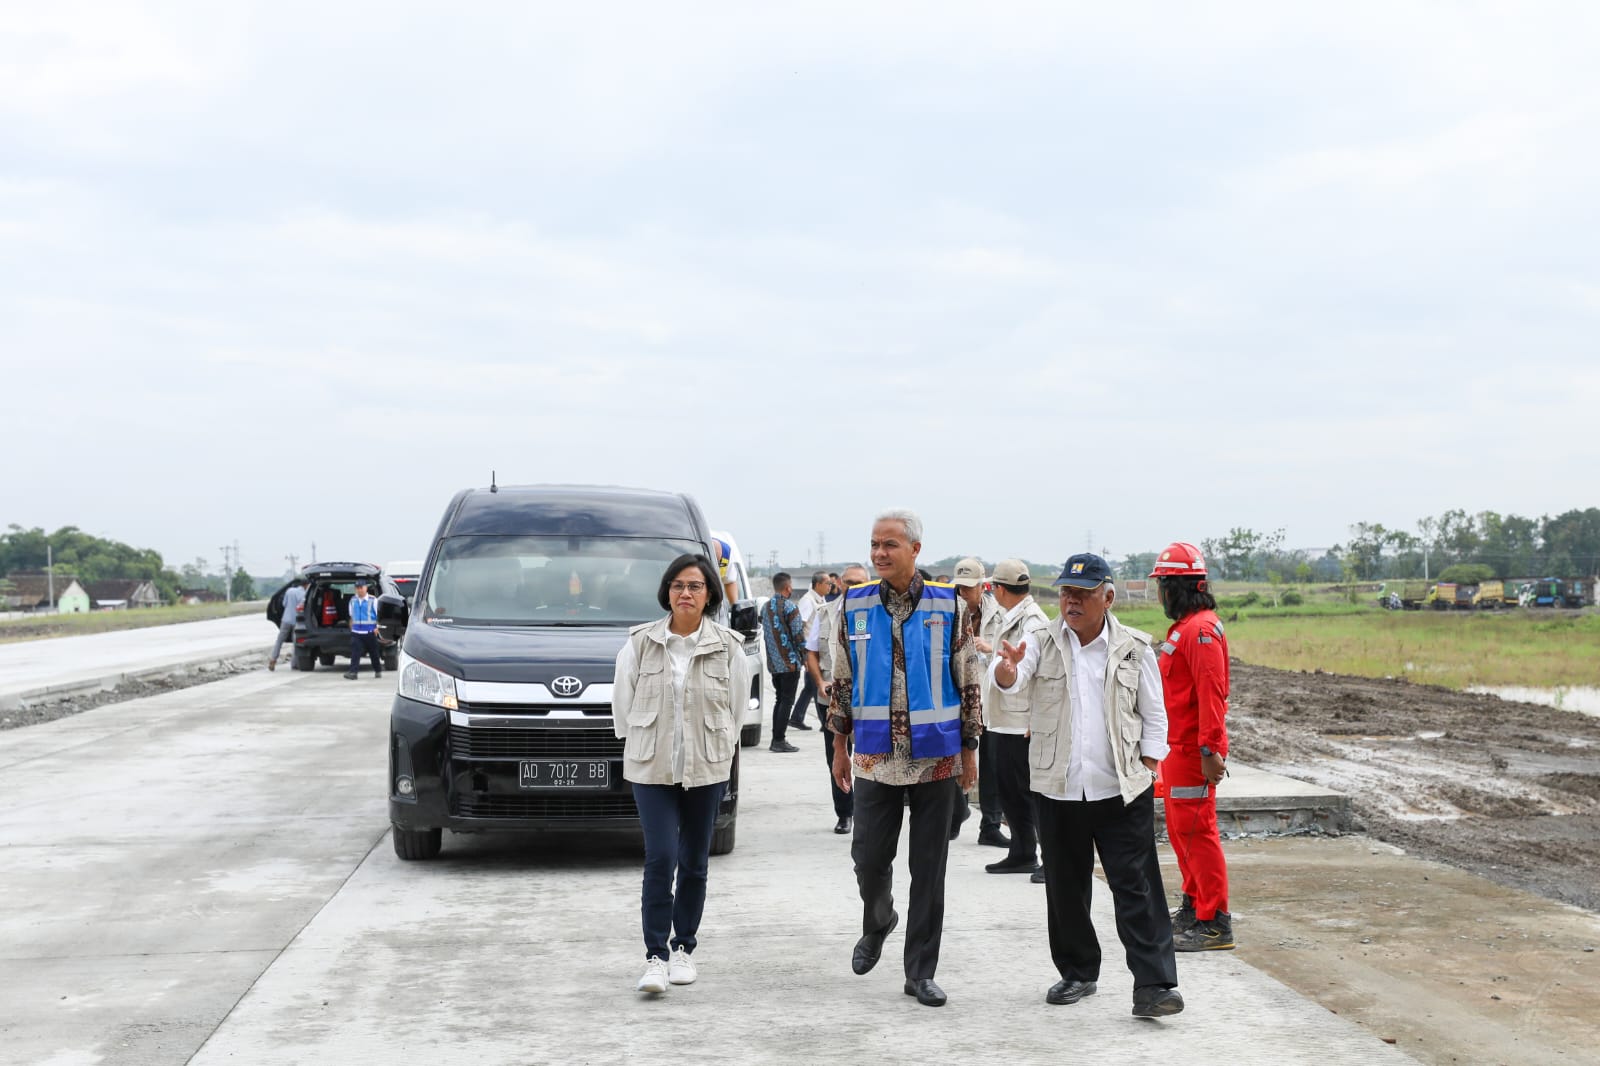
{"x":492,"y":486}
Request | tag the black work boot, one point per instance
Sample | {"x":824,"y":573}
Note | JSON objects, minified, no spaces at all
{"x":1183,"y":917}
{"x":1214,"y":934}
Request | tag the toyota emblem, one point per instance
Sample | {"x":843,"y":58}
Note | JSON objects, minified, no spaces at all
{"x":566,"y":685}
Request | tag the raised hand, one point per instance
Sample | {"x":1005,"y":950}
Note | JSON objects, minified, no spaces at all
{"x":1013,"y":653}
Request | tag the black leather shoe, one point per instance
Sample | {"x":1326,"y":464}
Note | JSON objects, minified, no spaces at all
{"x":842,"y":826}
{"x":350,"y":676}
{"x":1063,"y":992}
{"x":928,"y":994}
{"x":870,"y":947}
{"x":1013,"y":866}
{"x":782,"y":746}
{"x":1155,"y":1001}
{"x":800,"y":725}
{"x":993,"y":837}
{"x":1038,"y":876}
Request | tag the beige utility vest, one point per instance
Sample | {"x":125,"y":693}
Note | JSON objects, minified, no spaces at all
{"x":1050,"y":710}
{"x":710,"y":728}
{"x":1000,"y":710}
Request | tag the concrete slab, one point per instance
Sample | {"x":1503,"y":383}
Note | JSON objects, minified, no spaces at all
{"x":525,"y":949}
{"x":159,"y":853}
{"x":1251,"y":800}
{"x":35,"y":670}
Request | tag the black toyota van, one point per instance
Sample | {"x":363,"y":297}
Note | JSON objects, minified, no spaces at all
{"x":502,"y":719}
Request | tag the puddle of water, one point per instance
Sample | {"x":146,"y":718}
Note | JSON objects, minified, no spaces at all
{"x":1581,"y":698}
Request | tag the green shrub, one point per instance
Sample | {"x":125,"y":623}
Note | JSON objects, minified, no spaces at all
{"x":1291,"y":599}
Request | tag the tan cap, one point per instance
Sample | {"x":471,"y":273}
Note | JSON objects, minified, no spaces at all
{"x":1011,"y":572}
{"x":969,"y":572}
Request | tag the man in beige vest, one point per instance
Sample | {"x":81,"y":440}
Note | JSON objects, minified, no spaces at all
{"x":1099,"y":729}
{"x":1005,"y":717}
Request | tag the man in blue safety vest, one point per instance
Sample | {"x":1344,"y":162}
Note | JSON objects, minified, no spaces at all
{"x":906,"y":685}
{"x":363,"y":631}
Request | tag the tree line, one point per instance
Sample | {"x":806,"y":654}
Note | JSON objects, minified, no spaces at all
{"x":1495,"y":545}
{"x":91,"y":558}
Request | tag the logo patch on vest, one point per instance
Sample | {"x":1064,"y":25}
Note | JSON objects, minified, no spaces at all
{"x":936,"y":620}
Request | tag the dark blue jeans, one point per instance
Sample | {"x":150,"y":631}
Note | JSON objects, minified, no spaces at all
{"x":369,"y":643}
{"x":678,"y":823}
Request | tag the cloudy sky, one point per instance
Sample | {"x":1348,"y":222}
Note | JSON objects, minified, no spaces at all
{"x":283,"y":273}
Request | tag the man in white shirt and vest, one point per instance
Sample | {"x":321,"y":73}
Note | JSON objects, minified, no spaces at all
{"x":907,"y":687}
{"x":1005,"y":718}
{"x":1098,"y":731}
{"x":820,"y":643}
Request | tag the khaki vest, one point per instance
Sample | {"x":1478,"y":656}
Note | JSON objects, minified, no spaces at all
{"x":710,"y":725}
{"x":1000,"y":710}
{"x":1050,"y":711}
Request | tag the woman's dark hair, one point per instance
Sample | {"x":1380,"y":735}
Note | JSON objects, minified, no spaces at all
{"x":707,"y":569}
{"x":1015,"y":590}
{"x":1182,"y":596}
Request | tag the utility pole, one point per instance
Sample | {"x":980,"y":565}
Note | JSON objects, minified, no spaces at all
{"x":313,"y":551}
{"x":227,"y":574}
{"x":294,"y":563}
{"x":50,"y":574}
{"x":822,"y":548}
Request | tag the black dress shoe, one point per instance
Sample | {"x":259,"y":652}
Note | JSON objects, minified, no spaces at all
{"x":782,"y":746}
{"x":928,"y":994}
{"x":1009,"y":865}
{"x":1064,"y":992}
{"x":1156,"y":1001}
{"x":993,"y":837}
{"x":800,"y":725}
{"x":842,"y":826}
{"x":870,"y":947}
{"x":1038,"y":876}
{"x":350,"y":675}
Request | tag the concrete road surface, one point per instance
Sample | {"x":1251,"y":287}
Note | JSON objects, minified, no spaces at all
{"x":31,"y":667}
{"x":206,"y":877}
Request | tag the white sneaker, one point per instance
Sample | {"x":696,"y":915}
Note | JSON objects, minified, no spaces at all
{"x":681,"y":970}
{"x":654,"y":978}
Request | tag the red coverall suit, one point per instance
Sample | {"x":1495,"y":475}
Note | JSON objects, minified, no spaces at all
{"x":1194,"y":677}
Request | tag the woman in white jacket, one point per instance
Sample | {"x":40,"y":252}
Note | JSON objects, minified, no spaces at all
{"x":680,"y":683}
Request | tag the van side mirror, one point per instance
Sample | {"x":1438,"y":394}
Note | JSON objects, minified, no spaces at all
{"x":745,"y":620}
{"x":393,"y":615}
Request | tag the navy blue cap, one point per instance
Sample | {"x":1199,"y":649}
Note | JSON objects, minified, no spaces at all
{"x":1085,"y":571}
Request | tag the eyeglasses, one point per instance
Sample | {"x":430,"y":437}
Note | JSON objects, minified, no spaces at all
{"x":687,"y":586}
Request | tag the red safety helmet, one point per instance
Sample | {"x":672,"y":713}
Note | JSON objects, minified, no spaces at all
{"x":1180,"y":559}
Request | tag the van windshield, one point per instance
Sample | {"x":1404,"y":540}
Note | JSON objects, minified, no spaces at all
{"x":486,"y":580}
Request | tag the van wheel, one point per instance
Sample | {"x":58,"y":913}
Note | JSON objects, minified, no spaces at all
{"x":391,"y":659}
{"x":304,"y":660}
{"x":413,"y":844}
{"x":750,"y":735}
{"x":326,"y":659}
{"x":722,"y":839}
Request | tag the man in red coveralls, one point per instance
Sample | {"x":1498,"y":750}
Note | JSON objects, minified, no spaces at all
{"x":1194,"y":678}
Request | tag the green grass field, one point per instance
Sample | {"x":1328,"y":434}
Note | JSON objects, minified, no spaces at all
{"x":38,"y":627}
{"x":1456,"y":649}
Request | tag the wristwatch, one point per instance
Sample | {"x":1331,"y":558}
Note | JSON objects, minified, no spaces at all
{"x":1206,"y":751}
{"x":970,"y":743}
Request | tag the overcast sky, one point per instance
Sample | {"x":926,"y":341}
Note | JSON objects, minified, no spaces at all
{"x":283,"y":273}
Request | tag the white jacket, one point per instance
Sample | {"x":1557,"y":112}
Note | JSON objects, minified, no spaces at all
{"x":645,"y":712}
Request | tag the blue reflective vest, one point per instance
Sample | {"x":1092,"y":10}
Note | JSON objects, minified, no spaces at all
{"x":931,"y":692}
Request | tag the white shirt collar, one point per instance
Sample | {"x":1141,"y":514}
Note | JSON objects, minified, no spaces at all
{"x":1015,"y":612}
{"x":1103,"y":638}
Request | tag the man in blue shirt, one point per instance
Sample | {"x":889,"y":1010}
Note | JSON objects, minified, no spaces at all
{"x":294,"y":600}
{"x":363,"y":631}
{"x":786,"y":649}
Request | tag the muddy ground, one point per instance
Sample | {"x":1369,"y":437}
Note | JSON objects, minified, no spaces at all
{"x":48,"y":710}
{"x":1507,"y":790}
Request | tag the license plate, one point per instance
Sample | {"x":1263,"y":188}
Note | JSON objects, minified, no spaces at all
{"x":564,"y":773}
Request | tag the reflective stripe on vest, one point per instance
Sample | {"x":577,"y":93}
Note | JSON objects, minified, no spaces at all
{"x":932,"y":698}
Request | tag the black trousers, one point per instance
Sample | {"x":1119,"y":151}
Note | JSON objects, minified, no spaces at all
{"x":879,"y":813}
{"x":844,"y":803}
{"x":783,"y":686}
{"x":1010,"y":773}
{"x":988,"y":786}
{"x":367,"y":642}
{"x":808,"y":696}
{"x":1125,"y":837}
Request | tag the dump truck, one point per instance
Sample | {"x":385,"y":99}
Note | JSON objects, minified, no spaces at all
{"x":1413,"y":595}
{"x":1489,"y":595}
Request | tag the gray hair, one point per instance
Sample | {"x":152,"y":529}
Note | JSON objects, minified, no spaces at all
{"x":907,"y":519}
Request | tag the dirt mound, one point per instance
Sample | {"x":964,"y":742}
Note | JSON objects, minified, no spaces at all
{"x":1509,"y":790}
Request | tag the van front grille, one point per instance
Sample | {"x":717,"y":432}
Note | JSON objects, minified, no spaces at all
{"x":486,"y":742}
{"x":549,"y":808}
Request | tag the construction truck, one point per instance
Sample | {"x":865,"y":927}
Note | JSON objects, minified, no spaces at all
{"x":1489,"y":595}
{"x":1410,"y":595}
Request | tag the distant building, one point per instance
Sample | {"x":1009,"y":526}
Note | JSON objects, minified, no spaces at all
{"x":120,"y":594}
{"x":191,"y":597}
{"x":30,"y":591}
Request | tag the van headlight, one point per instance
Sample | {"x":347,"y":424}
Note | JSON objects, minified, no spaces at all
{"x":421,"y":682}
